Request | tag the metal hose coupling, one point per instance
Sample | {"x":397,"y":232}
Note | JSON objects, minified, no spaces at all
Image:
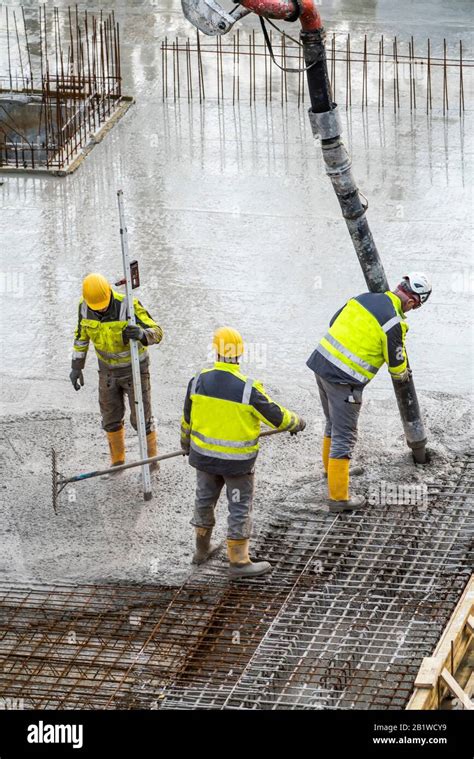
{"x":326,"y":125}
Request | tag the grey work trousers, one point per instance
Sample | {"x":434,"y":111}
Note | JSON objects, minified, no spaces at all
{"x":239,"y":490}
{"x":341,"y":405}
{"x":113,"y":388}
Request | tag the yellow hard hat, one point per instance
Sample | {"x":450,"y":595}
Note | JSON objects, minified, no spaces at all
{"x":96,"y":291}
{"x":228,"y":342}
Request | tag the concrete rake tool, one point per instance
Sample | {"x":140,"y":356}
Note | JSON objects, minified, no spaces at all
{"x":59,"y":482}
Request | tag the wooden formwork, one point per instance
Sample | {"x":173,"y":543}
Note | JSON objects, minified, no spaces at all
{"x":437,"y":674}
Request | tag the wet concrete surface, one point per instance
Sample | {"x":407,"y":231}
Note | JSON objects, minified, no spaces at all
{"x":233,"y":221}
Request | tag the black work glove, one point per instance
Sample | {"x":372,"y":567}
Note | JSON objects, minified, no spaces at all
{"x":299,"y":427}
{"x":77,"y":377}
{"x":185,"y":447}
{"x":132,"y":332}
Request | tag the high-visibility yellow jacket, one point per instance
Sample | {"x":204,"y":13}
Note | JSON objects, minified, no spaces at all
{"x":104,"y":330}
{"x":367,"y":332}
{"x":221,"y":419}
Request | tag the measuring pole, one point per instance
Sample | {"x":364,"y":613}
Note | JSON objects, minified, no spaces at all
{"x":136,"y":374}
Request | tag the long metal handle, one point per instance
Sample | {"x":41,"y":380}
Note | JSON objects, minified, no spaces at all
{"x":114,"y":469}
{"x":136,"y":373}
{"x":62,"y":481}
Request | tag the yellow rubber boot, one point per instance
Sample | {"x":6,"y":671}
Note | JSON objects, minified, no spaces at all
{"x":338,"y":487}
{"x":152,"y":449}
{"x":240,"y":564}
{"x":117,"y":446}
{"x":326,"y":449}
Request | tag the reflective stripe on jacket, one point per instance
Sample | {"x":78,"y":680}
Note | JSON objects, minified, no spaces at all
{"x":104,"y":330}
{"x":221,"y":420}
{"x":368,"y":331}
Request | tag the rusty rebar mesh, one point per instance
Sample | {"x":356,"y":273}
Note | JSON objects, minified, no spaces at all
{"x":351,"y":607}
{"x":68,"y":89}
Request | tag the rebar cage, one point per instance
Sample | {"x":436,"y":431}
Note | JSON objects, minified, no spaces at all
{"x":63,"y":83}
{"x":353,"y":604}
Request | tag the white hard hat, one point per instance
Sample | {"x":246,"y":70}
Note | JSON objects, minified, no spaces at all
{"x":418,"y":283}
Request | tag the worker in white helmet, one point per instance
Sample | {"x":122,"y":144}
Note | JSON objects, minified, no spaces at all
{"x":368,"y":331}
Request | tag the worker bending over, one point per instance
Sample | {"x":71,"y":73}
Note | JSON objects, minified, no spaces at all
{"x":102,"y":319}
{"x":220,"y":431}
{"x":368,"y":331}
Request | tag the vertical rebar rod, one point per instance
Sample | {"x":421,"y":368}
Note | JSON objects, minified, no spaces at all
{"x":27,"y":47}
{"x":119,"y":61}
{"x":250,"y":68}
{"x":71,"y":42}
{"x":188,"y":83}
{"x":190,"y":69}
{"x":334,"y":76}
{"x":19,"y":50}
{"x":396,"y":93}
{"x":282,"y":84}
{"x":218,"y":71}
{"x":379,"y":89}
{"x":234,"y":67}
{"x":178,"y":81}
{"x":82,"y":114}
{"x":303,"y":77}
{"x":461,"y":80}
{"x":8,"y":50}
{"x":107,"y":38}
{"x":254,"y":65}
{"x":95,"y":65}
{"x":200,"y":72}
{"x":238,"y":65}
{"x":162,"y":70}
{"x":349,"y":71}
{"x":102,"y":62}
{"x":265,"y":53}
{"x":410,"y":80}
{"x":428,"y":79}
{"x":364,"y":74}
{"x":166,"y":68}
{"x":382,"y":48}
{"x":222,"y":71}
{"x":300,"y":66}
{"x":271,"y":70}
{"x":91,"y":113}
{"x":174,"y":70}
{"x":445,"y":79}
{"x":333,"y":61}
{"x":414,"y":71}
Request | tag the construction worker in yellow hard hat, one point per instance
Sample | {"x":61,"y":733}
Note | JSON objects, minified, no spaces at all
{"x":220,"y":430}
{"x":102,"y":320}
